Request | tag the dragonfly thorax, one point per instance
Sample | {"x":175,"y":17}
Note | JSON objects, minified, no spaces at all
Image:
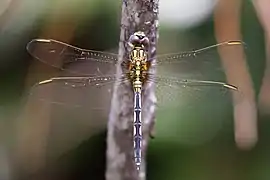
{"x":138,"y":67}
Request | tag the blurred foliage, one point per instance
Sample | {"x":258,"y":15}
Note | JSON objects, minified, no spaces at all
{"x":194,"y":148}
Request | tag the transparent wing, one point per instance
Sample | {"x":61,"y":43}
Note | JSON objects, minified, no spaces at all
{"x":175,"y":57}
{"x":203,"y":64}
{"x":193,"y":96}
{"x":75,"y":92}
{"x":72,"y":59}
{"x":91,"y":90}
{"x":190,"y":87}
{"x":191,"y":112}
{"x":174,"y":70}
{"x":193,"y":74}
{"x":174,"y":92}
{"x":71,"y":105}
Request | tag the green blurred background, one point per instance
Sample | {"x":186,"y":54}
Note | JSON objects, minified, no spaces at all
{"x":200,"y":146}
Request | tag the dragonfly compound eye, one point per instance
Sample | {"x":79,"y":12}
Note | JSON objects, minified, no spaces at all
{"x":134,"y":39}
{"x":138,"y":39}
{"x":145,"y":41}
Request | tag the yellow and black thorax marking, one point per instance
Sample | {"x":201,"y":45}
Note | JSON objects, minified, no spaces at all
{"x":138,"y":67}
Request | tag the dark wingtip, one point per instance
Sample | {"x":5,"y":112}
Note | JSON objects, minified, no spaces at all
{"x":237,"y":42}
{"x":235,"y":88}
{"x":37,"y":40}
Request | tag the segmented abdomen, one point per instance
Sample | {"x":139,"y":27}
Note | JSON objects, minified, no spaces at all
{"x":137,"y":131}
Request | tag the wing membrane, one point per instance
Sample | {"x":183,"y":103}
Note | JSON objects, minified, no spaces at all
{"x":173,"y":82}
{"x":178,"y":57}
{"x":174,"y":92}
{"x":192,"y":110}
{"x":90,"y":92}
{"x":200,"y":64}
{"x":72,"y":59}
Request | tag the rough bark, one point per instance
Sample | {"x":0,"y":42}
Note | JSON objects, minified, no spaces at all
{"x":137,"y":15}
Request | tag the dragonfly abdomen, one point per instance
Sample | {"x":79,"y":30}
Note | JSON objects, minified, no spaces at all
{"x":137,"y":130}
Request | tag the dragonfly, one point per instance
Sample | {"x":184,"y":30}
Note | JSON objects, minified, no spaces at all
{"x":85,"y":69}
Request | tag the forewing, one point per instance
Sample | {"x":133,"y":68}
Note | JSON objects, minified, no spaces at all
{"x":71,"y":59}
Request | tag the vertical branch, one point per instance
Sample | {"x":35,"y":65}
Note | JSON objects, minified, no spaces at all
{"x":137,"y":15}
{"x":262,"y":10}
{"x":227,"y":26}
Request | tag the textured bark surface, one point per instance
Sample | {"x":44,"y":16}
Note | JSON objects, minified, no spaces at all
{"x":137,"y":15}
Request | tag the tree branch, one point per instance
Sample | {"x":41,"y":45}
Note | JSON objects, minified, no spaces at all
{"x":137,"y":15}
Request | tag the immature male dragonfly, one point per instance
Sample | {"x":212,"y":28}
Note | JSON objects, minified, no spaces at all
{"x":66,"y":58}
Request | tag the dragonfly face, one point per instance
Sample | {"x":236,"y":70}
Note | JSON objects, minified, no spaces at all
{"x":138,"y":39}
{"x":138,"y":65}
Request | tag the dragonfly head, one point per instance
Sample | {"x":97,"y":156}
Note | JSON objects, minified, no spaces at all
{"x":138,"y":39}
{"x":140,"y":34}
